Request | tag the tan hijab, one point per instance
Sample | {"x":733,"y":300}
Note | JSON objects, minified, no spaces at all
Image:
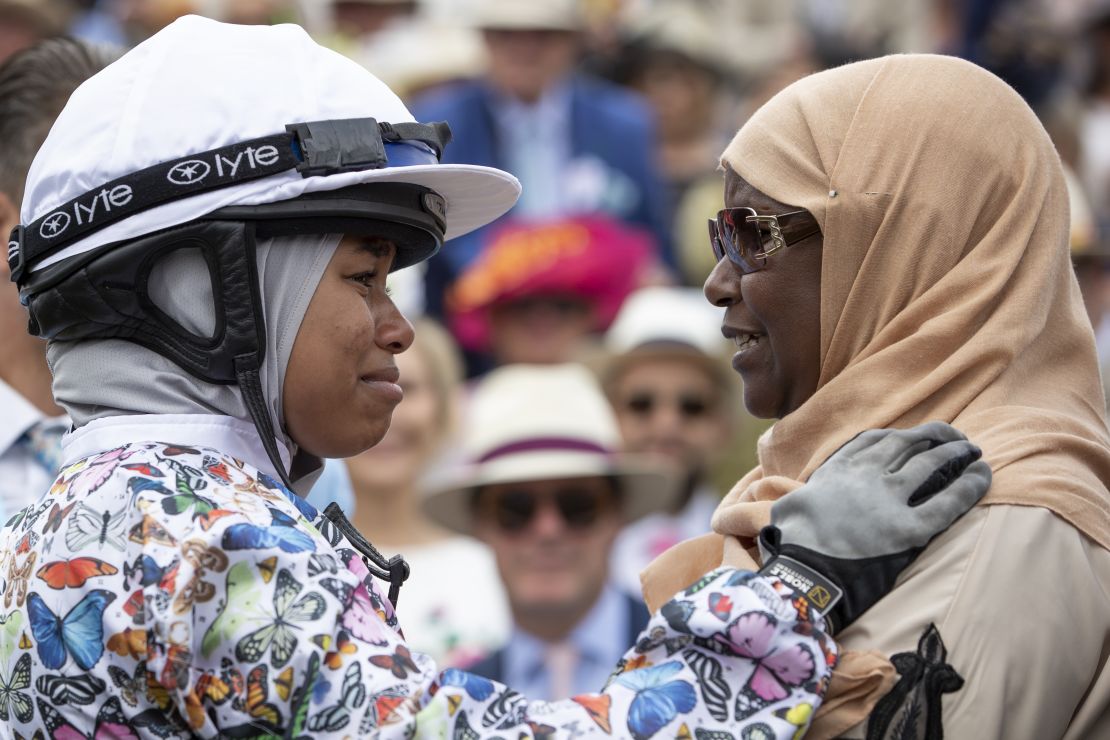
{"x":946,"y":293}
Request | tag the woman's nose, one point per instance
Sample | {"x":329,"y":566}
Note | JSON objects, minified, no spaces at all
{"x":394,"y":331}
{"x":722,"y":287}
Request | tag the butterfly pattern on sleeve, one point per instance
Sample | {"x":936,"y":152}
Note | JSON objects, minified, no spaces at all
{"x":167,"y":591}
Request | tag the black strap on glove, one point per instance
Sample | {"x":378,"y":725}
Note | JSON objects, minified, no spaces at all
{"x":843,"y":538}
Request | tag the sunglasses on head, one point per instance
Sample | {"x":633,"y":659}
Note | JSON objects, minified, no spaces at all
{"x":513,"y":509}
{"x":748,"y":238}
{"x":690,"y":406}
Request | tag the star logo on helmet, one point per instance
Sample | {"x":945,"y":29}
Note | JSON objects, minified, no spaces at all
{"x":55,"y":224}
{"x":189,"y":172}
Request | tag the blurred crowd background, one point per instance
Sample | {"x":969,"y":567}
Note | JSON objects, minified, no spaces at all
{"x":577,"y":318}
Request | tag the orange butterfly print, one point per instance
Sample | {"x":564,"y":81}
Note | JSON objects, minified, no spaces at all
{"x":134,"y":603}
{"x":209,"y":518}
{"x":258,"y":691}
{"x":385,"y":704}
{"x":73,"y":573}
{"x":129,"y":643}
{"x":217,"y":469}
{"x":209,"y":687}
{"x":343,"y":646}
{"x":597,"y":706}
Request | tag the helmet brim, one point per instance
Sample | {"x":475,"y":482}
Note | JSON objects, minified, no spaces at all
{"x":474,"y":195}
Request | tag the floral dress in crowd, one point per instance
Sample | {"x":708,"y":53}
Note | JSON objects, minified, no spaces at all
{"x":165,"y":591}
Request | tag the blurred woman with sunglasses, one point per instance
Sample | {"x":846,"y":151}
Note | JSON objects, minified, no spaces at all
{"x":894,"y":248}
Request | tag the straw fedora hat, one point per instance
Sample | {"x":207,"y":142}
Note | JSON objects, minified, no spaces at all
{"x":544,"y":422}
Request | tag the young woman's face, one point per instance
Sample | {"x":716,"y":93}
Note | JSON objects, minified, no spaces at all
{"x":341,"y":384}
{"x":773,"y":316}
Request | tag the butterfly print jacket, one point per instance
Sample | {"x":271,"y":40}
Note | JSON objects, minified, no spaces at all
{"x":171,"y":589}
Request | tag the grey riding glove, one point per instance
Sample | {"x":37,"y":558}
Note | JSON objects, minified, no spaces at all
{"x":842,"y":539}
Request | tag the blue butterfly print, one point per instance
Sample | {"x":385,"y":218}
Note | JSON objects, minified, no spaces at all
{"x":282,"y":534}
{"x":308,"y":511}
{"x":147,"y":569}
{"x":138,"y":485}
{"x":658,"y":700}
{"x":477,"y":687}
{"x":80,"y":633}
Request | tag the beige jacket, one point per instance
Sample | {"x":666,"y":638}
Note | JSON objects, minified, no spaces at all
{"x":1022,"y":601}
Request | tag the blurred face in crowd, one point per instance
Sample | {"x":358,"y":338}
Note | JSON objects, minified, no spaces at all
{"x":17,"y":32}
{"x":357,"y":18}
{"x":1093,"y":273}
{"x":539,"y":329}
{"x":146,"y":17}
{"x":341,"y":383}
{"x":682,"y":94}
{"x":395,"y":464}
{"x":551,"y":539}
{"x":525,"y":64}
{"x":773,"y":316}
{"x":670,"y":407}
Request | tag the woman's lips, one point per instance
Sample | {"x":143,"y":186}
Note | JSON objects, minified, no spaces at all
{"x":747,"y":344}
{"x":389,"y":391}
{"x":384,"y":383}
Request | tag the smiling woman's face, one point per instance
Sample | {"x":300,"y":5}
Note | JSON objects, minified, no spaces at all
{"x":341,"y":384}
{"x":773,"y":316}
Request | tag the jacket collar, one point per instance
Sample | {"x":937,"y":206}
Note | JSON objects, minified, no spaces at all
{"x":229,"y":435}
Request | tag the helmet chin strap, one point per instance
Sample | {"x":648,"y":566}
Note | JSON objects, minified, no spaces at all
{"x":250,"y":385}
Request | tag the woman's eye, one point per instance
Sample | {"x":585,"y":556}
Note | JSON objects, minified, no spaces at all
{"x":369,"y":279}
{"x":365,"y":278}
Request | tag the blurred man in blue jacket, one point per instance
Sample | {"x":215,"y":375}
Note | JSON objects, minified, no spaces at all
{"x":578,"y":145}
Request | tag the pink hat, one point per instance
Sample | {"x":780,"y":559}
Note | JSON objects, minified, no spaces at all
{"x":592,"y":257}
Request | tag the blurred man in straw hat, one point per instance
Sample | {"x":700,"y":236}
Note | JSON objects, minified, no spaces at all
{"x":548,"y":494}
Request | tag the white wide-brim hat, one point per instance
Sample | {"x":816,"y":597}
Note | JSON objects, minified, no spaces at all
{"x":544,"y":422}
{"x":198,"y":85}
{"x":666,"y":322}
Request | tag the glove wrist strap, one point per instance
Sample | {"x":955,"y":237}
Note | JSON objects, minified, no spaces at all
{"x":821,"y":593}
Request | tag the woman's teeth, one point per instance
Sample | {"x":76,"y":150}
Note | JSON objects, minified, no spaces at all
{"x":746,"y":341}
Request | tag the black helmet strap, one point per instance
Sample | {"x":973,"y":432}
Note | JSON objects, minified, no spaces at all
{"x":313,"y":148}
{"x":247,"y":369}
